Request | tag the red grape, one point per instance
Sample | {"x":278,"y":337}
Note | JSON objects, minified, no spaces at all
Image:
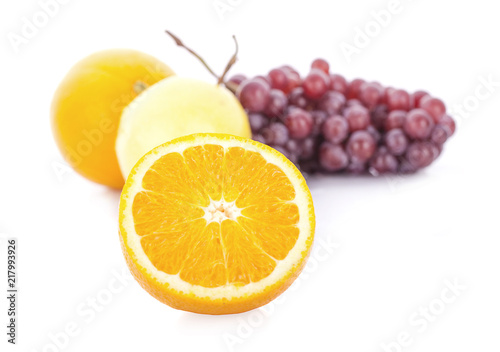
{"x":398,"y":100}
{"x":332,"y":157}
{"x":417,"y":97}
{"x":321,"y":64}
{"x":360,"y":146}
{"x":420,"y":154}
{"x":370,"y":94}
{"x":405,"y":167}
{"x":448,"y":121}
{"x":294,"y":79}
{"x":335,"y":129}
{"x":297,"y":98}
{"x":436,"y":150}
{"x":316,"y":84}
{"x":290,"y":70}
{"x":331,"y":102}
{"x":395,"y":119}
{"x":293,"y":146}
{"x":257,"y":121}
{"x":383,"y":162}
{"x":253,"y":95}
{"x":319,"y":118}
{"x":299,"y":123}
{"x":433,"y":106}
{"x":338,"y":83}
{"x":374,"y":132}
{"x":358,"y":117}
{"x":378,"y":116}
{"x":352,"y":102}
{"x":279,"y":79}
{"x":385,"y":96}
{"x":277,"y":103}
{"x":307,"y":148}
{"x":354,"y":87}
{"x":379,"y":86}
{"x":276,"y":133}
{"x":263,"y":79}
{"x":440,"y":134}
{"x":396,"y":141}
{"x":418,"y":124}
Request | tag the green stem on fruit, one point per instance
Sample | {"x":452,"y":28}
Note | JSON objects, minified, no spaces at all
{"x":181,"y":44}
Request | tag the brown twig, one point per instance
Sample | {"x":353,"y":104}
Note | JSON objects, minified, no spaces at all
{"x":231,"y":62}
{"x":220,"y":79}
{"x":233,"y":87}
{"x":181,"y":44}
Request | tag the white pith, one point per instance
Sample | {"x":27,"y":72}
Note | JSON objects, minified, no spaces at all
{"x":218,"y":211}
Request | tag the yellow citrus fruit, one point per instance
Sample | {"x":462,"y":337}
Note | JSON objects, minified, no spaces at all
{"x":88,"y":103}
{"x":215,"y":224}
{"x":173,"y":108}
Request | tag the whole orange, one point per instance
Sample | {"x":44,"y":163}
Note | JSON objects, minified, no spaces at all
{"x":88,"y":103}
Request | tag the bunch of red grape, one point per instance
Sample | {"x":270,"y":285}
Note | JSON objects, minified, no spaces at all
{"x":324,"y":123}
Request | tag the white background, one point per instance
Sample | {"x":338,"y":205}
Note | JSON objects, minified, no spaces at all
{"x":396,"y":241}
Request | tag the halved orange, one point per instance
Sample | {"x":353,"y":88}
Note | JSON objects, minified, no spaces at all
{"x":215,"y":224}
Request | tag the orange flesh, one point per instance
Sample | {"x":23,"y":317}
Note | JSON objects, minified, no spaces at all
{"x":169,"y":216}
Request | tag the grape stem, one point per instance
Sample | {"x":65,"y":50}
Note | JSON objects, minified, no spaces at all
{"x":231,"y":62}
{"x":220,"y":79}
